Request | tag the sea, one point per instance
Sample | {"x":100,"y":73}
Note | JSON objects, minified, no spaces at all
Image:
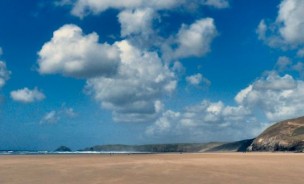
{"x":69,"y":153}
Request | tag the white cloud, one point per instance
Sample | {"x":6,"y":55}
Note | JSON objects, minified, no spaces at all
{"x":4,"y":74}
{"x":84,"y":7}
{"x":124,"y":79}
{"x":216,"y":3}
{"x":63,"y":2}
{"x":195,"y":40}
{"x":299,"y":67}
{"x":276,"y":97}
{"x":283,"y":64}
{"x":271,"y":98}
{"x":242,"y":95}
{"x":1,"y":51}
{"x":178,"y":67}
{"x":194,"y":79}
{"x":197,"y":80}
{"x":129,"y":77}
{"x":134,"y":93}
{"x":291,"y":18}
{"x":275,"y":82}
{"x":206,"y":121}
{"x":136,"y":21}
{"x":55,"y":116}
{"x":286,"y":31}
{"x":268,"y":34}
{"x":190,"y":40}
{"x":71,"y":53}
{"x":267,"y":100}
{"x":261,"y":30}
{"x":50,"y":117}
{"x":69,"y":112}
{"x":26,"y":95}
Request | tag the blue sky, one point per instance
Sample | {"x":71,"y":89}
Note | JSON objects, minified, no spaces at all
{"x":87,"y":72}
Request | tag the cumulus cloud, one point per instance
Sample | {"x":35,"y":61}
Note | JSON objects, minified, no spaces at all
{"x":194,"y":79}
{"x":55,"y":116}
{"x":63,"y":2}
{"x":129,"y":77}
{"x":69,"y":112}
{"x":283,"y":64}
{"x":178,"y":68}
{"x":136,"y":21}
{"x":269,"y":99}
{"x":135,"y":92}
{"x":50,"y":117}
{"x":261,"y":30}
{"x":195,"y":39}
{"x":129,"y":81}
{"x":190,"y":40}
{"x":26,"y":95}
{"x":197,"y":80}
{"x":207,"y":121}
{"x":273,"y":97}
{"x":216,"y":3}
{"x":82,"y":8}
{"x":291,"y":18}
{"x":4,"y":74}
{"x":71,"y":53}
{"x":277,"y":97}
{"x":286,"y":31}
{"x":270,"y":37}
{"x":299,"y":67}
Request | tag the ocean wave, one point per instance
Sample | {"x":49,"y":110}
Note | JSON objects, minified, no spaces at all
{"x":66,"y":153}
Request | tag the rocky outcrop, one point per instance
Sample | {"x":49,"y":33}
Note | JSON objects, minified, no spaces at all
{"x":63,"y":149}
{"x":286,"y":135}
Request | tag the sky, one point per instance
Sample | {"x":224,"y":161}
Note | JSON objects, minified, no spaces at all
{"x":88,"y":72}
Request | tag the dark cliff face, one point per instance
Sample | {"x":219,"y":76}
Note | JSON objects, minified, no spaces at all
{"x":286,"y":135}
{"x":238,"y":146}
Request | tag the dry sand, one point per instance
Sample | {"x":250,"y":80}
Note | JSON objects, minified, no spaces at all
{"x":236,"y":168}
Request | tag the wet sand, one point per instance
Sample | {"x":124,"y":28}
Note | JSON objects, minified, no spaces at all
{"x":217,"y":168}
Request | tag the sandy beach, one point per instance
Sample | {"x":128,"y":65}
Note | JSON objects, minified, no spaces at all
{"x":217,"y":168}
